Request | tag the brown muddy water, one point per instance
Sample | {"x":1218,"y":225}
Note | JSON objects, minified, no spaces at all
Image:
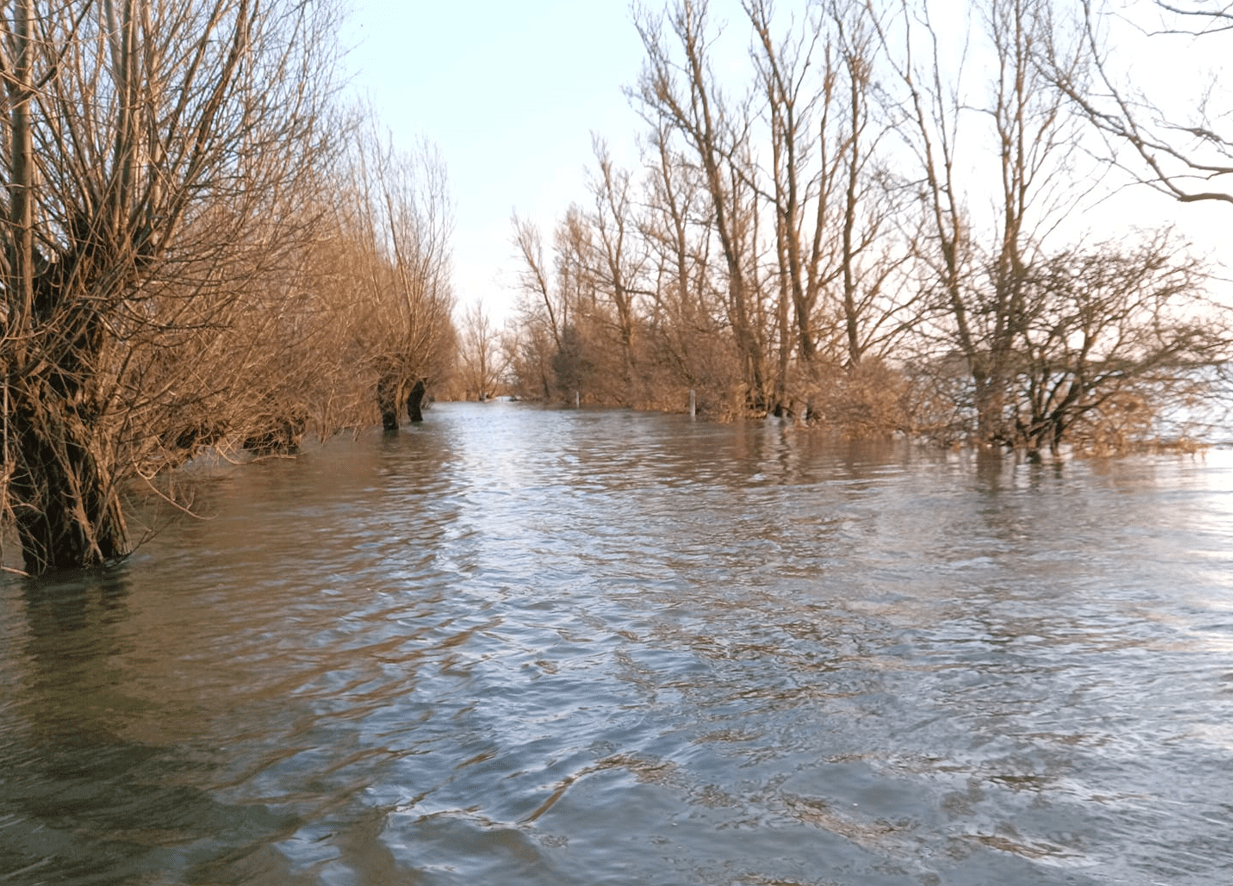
{"x":519,"y":646}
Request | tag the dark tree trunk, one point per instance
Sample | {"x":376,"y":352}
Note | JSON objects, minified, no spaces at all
{"x":415,"y":401}
{"x":66,"y":509}
{"x":66,"y":504}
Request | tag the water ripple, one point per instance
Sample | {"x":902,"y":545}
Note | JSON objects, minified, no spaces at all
{"x":525,"y":646}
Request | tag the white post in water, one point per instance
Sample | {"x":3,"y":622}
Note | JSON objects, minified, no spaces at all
{"x":693,"y":404}
{"x":577,"y":399}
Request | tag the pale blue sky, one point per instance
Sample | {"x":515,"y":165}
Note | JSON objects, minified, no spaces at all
{"x":510,"y":93}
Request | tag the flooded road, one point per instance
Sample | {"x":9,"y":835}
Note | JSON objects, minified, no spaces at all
{"x":520,"y":646}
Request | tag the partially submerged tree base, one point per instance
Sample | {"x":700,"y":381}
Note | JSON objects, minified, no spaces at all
{"x":415,"y":401}
{"x":282,"y":436}
{"x":156,"y":156}
{"x":65,"y":506}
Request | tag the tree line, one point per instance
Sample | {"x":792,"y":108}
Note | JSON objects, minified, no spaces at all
{"x":202,"y":246}
{"x":870,"y":221}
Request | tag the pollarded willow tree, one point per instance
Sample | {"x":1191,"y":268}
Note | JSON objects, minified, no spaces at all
{"x":397,"y":215}
{"x":155,"y":152}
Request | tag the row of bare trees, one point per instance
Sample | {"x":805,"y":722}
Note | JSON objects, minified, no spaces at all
{"x":876,"y":228}
{"x":199,"y":248}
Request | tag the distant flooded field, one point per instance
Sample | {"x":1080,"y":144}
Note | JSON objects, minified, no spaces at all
{"x":521,"y":646}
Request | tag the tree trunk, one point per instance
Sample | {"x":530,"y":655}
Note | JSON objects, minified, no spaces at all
{"x":65,"y":505}
{"x":66,"y":508}
{"x":415,"y":400}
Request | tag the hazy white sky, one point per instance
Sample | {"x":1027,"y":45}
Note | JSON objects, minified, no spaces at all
{"x":510,"y":93}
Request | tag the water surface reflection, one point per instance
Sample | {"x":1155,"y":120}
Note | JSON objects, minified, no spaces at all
{"x":527,"y":646}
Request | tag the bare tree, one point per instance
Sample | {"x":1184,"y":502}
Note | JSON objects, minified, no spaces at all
{"x":689,"y":342}
{"x":480,"y":354}
{"x":1185,"y":154}
{"x":534,"y":279}
{"x":617,"y":255}
{"x":932,"y":107}
{"x":803,"y":166}
{"x":1034,"y":134}
{"x":1108,"y":329}
{"x":979,"y":284}
{"x":678,"y":89}
{"x":828,"y":188}
{"x":145,"y":145}
{"x":545,"y":312}
{"x":403,"y":221}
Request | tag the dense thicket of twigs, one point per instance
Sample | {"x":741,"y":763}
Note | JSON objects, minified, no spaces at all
{"x":198,"y":249}
{"x":877,"y":230}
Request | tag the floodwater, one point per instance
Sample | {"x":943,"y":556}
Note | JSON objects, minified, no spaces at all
{"x":520,"y":646}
